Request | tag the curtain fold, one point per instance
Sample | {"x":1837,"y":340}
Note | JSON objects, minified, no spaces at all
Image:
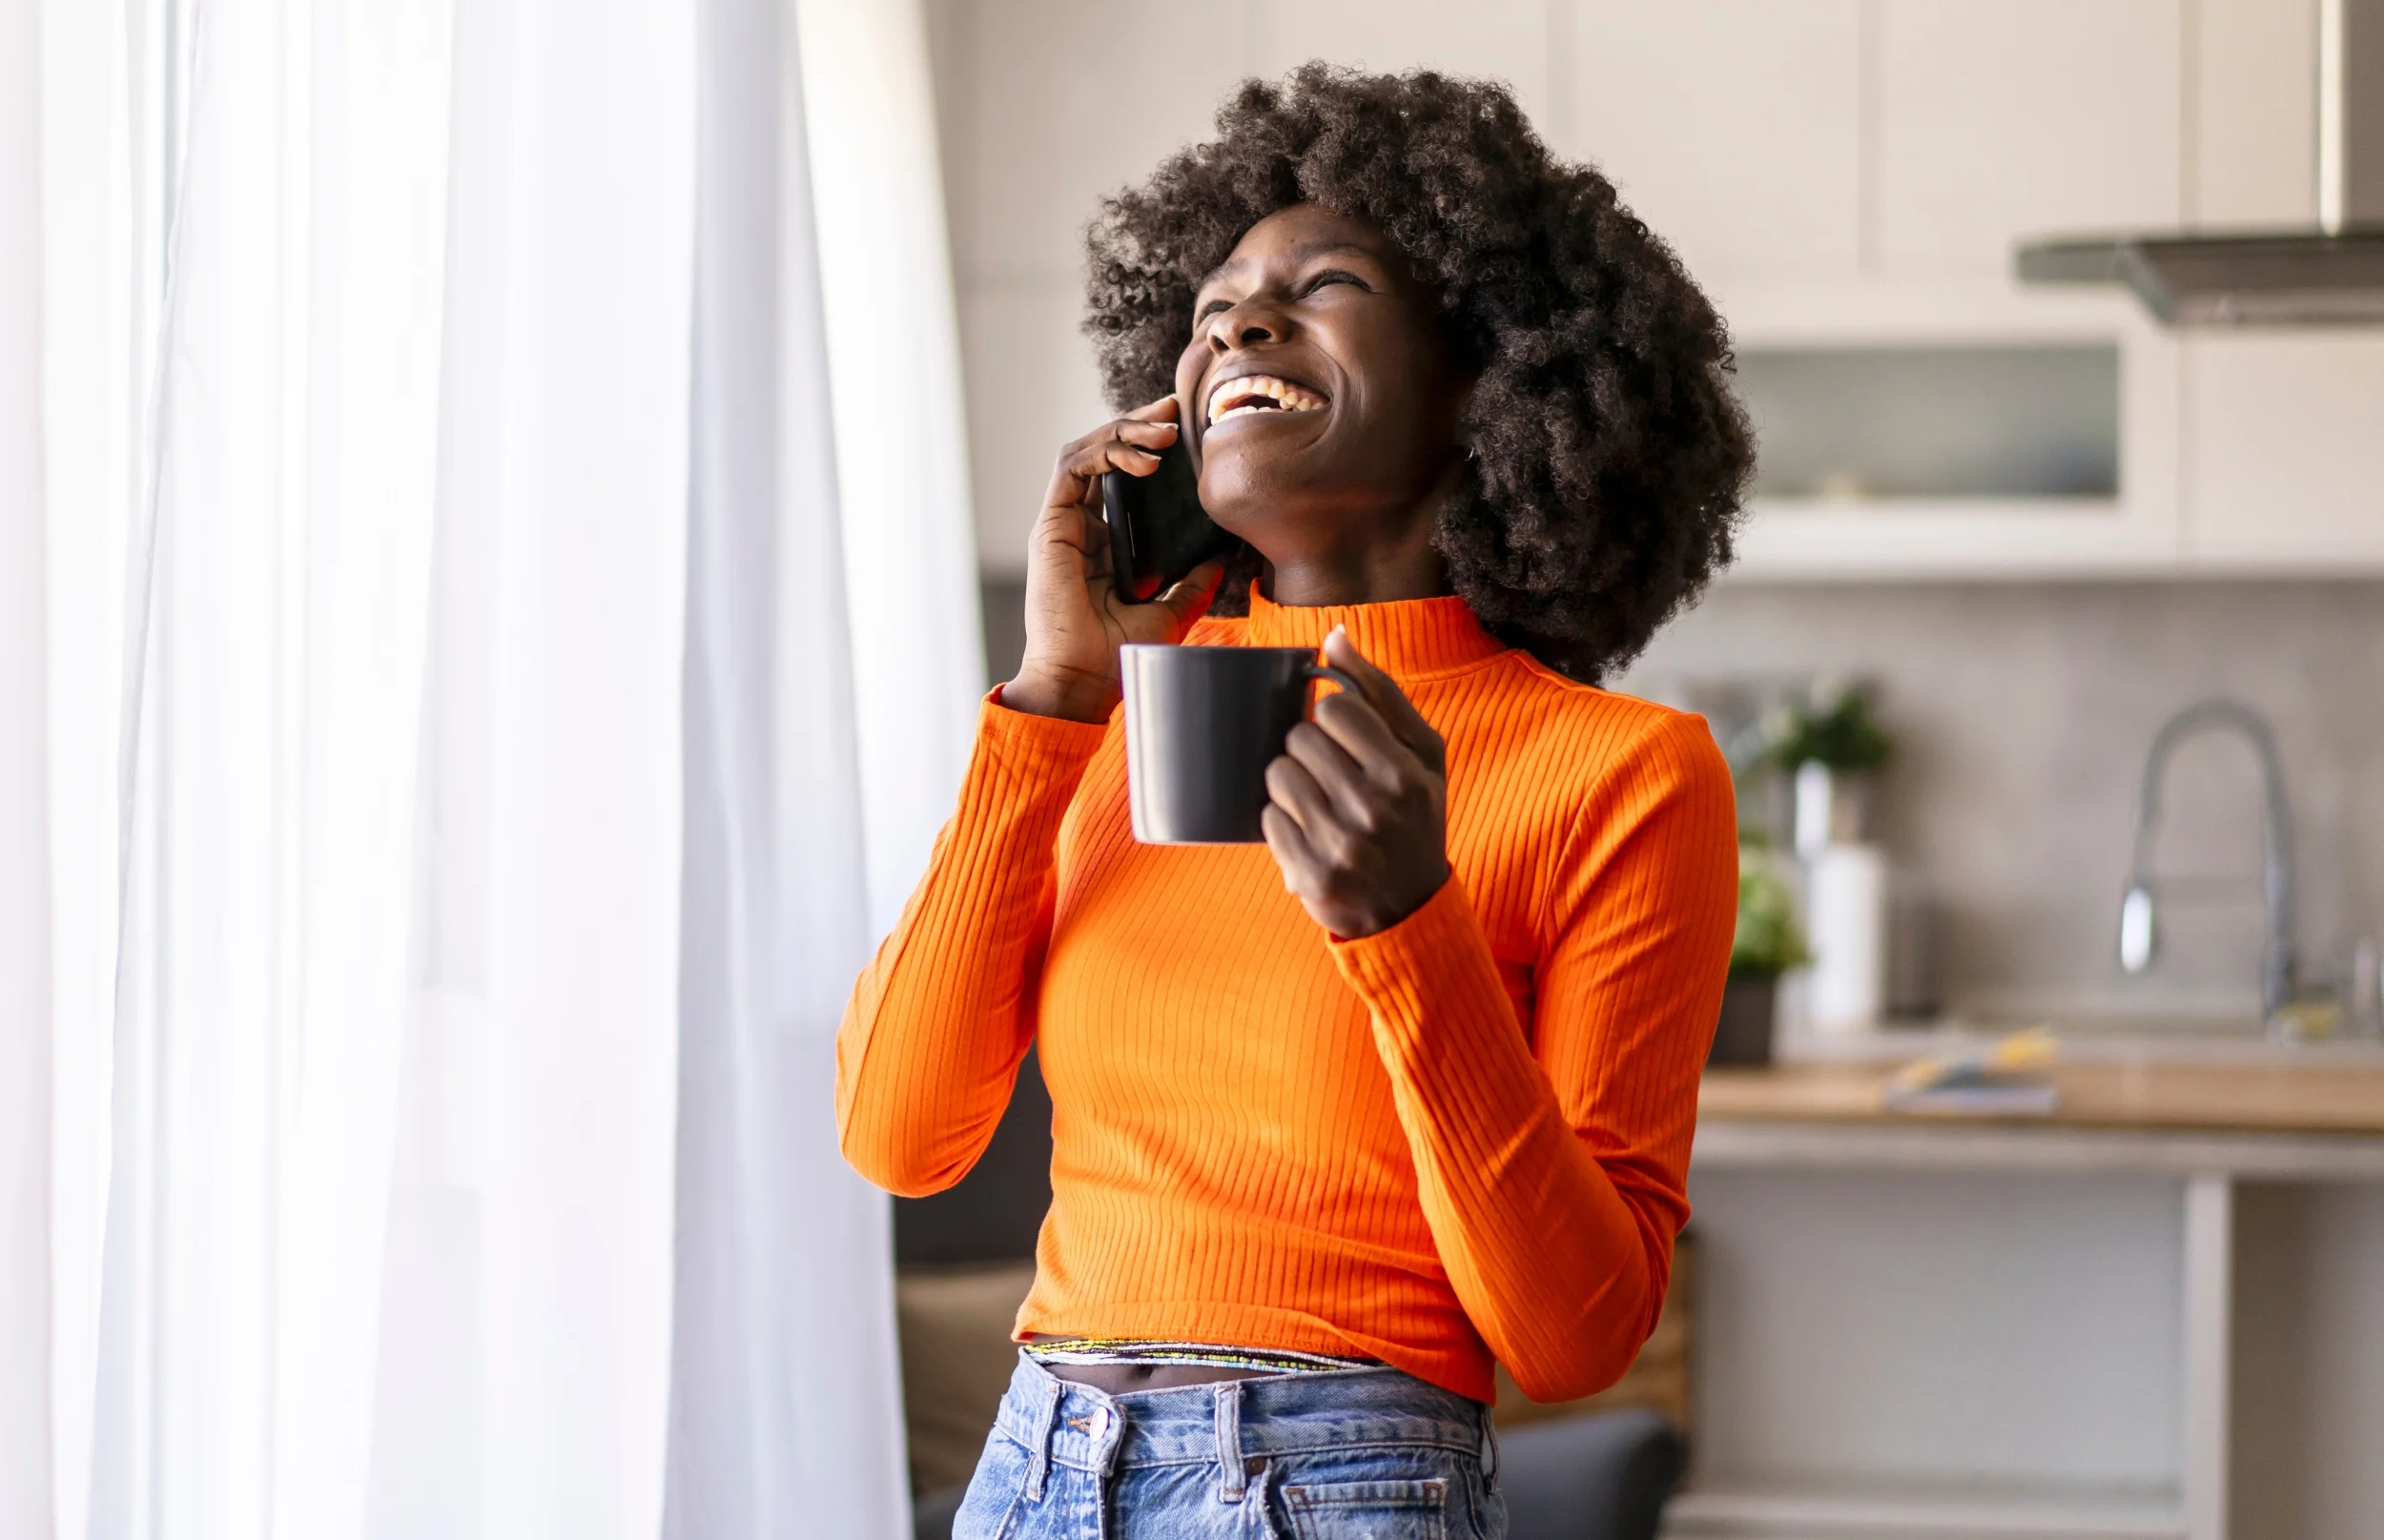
{"x":893,"y":356}
{"x":279,"y":588}
{"x":785,"y":1415}
{"x":525,"y":1330}
{"x":27,"y":1070}
{"x":452,"y":744}
{"x":98,"y":294}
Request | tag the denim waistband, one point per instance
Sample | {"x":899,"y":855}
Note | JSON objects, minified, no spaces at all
{"x":1232,"y":1422}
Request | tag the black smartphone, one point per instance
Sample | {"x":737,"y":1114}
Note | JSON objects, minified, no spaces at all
{"x":1157,"y":530}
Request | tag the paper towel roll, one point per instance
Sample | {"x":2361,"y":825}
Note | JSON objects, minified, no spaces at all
{"x":1847,"y":917}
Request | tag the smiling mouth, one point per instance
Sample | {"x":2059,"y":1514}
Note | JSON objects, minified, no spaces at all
{"x":1246,"y":394}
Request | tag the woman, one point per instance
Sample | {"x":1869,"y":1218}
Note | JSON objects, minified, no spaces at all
{"x":1340,"y":1121}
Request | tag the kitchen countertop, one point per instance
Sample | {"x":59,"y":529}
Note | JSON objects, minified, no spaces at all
{"x":2271,"y":1097}
{"x":2266,"y":1120}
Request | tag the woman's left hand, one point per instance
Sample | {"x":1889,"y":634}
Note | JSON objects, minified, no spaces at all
{"x":1358,"y":815}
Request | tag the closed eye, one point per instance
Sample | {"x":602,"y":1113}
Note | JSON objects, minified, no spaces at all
{"x":1333,"y":275}
{"x":1330,"y":276}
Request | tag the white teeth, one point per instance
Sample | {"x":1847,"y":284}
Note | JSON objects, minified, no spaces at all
{"x":1292,"y":397}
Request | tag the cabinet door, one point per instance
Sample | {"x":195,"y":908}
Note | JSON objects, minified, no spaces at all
{"x":2000,"y":119}
{"x":2256,"y":73}
{"x":1505,"y":42}
{"x":1732,"y":128}
{"x":2286,"y":464}
{"x":2135,"y":531}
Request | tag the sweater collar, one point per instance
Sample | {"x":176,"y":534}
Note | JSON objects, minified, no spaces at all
{"x":1402,"y":636}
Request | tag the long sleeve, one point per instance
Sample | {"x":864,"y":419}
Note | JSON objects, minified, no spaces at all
{"x":938,"y":1021}
{"x":1552,"y":1165}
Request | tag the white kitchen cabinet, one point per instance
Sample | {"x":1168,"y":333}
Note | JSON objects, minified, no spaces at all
{"x":2286,"y":452}
{"x":2254,"y":106}
{"x":1658,"y":92}
{"x":1837,"y":173}
{"x":1506,"y":42}
{"x":2009,"y":1333}
{"x":2136,"y":530}
{"x":2004,"y":119}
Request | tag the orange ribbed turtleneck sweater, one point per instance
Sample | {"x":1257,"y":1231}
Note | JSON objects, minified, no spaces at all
{"x":1462,"y":1137}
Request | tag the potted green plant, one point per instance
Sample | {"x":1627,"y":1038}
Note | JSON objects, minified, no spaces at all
{"x":1833,"y":749}
{"x":1767,"y":943}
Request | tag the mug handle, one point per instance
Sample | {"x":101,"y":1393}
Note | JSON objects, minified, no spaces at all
{"x":1314,"y":671}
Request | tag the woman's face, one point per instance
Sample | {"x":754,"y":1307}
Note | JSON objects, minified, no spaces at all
{"x":1317,"y":388}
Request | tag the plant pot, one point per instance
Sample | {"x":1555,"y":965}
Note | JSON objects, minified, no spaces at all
{"x":1832,"y":807}
{"x":1743,"y":1036}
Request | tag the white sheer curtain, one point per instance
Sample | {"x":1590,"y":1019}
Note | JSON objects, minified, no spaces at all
{"x":452,"y":737}
{"x":26,"y":1069}
{"x":902,"y":466}
{"x":783,"y":1387}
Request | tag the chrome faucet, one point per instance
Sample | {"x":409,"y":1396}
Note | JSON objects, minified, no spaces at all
{"x":2138,"y":936}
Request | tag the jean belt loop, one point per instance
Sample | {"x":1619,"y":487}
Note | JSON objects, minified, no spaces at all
{"x":1046,"y":1428}
{"x":1229,"y":1439}
{"x":1490,"y":1451}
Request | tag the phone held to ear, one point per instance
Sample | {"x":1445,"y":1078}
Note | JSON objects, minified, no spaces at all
{"x":1157,"y":530}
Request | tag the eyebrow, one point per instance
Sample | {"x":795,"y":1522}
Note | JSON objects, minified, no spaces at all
{"x":1303,"y":251}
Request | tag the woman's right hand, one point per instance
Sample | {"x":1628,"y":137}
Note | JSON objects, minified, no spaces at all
{"x":1074,"y":621}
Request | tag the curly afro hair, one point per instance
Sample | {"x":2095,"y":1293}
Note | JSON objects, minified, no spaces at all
{"x":1607,"y":452}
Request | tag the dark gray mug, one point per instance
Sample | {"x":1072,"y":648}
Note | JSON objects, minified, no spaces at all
{"x":1202,"y":723}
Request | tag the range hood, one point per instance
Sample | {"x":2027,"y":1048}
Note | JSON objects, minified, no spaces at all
{"x":2330,"y":276}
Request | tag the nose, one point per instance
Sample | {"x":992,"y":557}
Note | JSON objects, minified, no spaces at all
{"x":1254,"y":320}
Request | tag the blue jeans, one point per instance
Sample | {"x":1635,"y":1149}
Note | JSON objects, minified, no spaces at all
{"x":1371,"y":1453}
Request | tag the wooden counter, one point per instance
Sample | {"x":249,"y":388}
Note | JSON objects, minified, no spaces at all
{"x":2259,"y":1121}
{"x":2262,"y":1099}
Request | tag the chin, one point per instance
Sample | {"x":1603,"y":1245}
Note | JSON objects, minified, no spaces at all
{"x":1247,"y":484}
{"x":1247,"y":509}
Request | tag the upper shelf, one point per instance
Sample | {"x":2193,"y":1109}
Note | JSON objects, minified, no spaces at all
{"x":1930,"y":421}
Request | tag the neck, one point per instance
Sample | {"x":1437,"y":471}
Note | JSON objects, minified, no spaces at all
{"x":1388,"y":557}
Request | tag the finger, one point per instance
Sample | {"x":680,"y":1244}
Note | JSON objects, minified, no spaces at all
{"x":1093,"y":540}
{"x":1380,"y":690}
{"x":1314,"y":749}
{"x":1090,"y":456}
{"x":1148,"y":435}
{"x":1303,"y":873}
{"x":1074,"y":479}
{"x":1072,"y":549}
{"x":1131,"y":442}
{"x":1384,"y":694}
{"x":1358,"y":729}
{"x":1149,"y":429}
{"x":1334,"y":838}
{"x":1292,"y":787}
{"x":1191,"y":595}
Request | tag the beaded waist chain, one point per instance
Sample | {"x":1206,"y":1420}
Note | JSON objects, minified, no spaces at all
{"x":1207,"y":1355}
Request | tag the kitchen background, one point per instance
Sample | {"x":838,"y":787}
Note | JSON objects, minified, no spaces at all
{"x":1853,"y":174}
{"x":2039,"y":523}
